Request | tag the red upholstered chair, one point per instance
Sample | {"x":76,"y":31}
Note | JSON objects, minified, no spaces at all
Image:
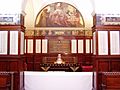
{"x":87,"y":68}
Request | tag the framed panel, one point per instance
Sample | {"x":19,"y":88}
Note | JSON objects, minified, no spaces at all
{"x":73,"y":46}
{"x":38,"y":46}
{"x":103,"y":66}
{"x":103,"y":42}
{"x":87,"y":46}
{"x":91,"y":46}
{"x":3,"y":42}
{"x":25,"y":45}
{"x":80,"y":46}
{"x":13,"y":42}
{"x":114,"y":42}
{"x":94,"y":43}
{"x":30,"y":46}
{"x":22,"y":43}
{"x":44,"y":45}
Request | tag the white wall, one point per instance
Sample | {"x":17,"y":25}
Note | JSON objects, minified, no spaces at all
{"x":11,"y":6}
{"x":107,"y":6}
{"x":29,"y":18}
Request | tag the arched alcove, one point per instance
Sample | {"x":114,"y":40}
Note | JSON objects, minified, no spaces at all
{"x":59,"y":14}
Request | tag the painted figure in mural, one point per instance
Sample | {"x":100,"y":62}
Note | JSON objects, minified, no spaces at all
{"x":74,"y":18}
{"x":58,"y":17}
{"x":44,"y":18}
{"x":77,"y":19}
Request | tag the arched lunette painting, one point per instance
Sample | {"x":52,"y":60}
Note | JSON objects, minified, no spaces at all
{"x":59,"y":14}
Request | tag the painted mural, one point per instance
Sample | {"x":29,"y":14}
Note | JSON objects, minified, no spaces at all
{"x":59,"y":15}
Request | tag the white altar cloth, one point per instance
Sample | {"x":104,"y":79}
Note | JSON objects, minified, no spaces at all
{"x":58,"y":80}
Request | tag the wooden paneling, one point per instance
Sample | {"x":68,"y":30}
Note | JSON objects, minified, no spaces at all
{"x":30,"y":66}
{"x":103,"y":66}
{"x":13,"y":66}
{"x":12,"y":63}
{"x":35,"y":59}
{"x":30,"y":61}
{"x":115,"y":66}
{"x":105,"y":39}
{"x":4,"y":66}
{"x":13,"y":60}
{"x":107,"y":64}
{"x":37,"y":67}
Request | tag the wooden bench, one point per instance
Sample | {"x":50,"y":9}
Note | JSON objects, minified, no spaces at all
{"x":6,"y":80}
{"x":110,"y":81}
{"x":67,"y":60}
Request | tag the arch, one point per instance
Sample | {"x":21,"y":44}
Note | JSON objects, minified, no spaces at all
{"x":59,"y":14}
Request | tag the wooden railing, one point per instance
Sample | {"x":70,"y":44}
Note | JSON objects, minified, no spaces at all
{"x":61,"y":67}
{"x":67,"y":60}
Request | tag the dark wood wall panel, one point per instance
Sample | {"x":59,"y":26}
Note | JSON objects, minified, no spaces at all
{"x":115,"y":66}
{"x":13,"y":66}
{"x":105,"y":62}
{"x":88,"y":59}
{"x":34,"y":59}
{"x":107,"y":65}
{"x":4,"y":66}
{"x":30,"y":67}
{"x":14,"y":62}
{"x":38,"y":58}
{"x":30,"y":62}
{"x":103,"y":66}
{"x":37,"y":67}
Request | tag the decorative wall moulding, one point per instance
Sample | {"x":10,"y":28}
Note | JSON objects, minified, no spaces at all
{"x":107,"y":19}
{"x":58,"y":33}
{"x":54,"y":33}
{"x":29,"y":32}
{"x":88,"y":32}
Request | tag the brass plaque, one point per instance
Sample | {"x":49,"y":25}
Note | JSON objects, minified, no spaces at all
{"x":59,"y":46}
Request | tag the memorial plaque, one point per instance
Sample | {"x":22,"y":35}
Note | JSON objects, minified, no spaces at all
{"x":59,"y":46}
